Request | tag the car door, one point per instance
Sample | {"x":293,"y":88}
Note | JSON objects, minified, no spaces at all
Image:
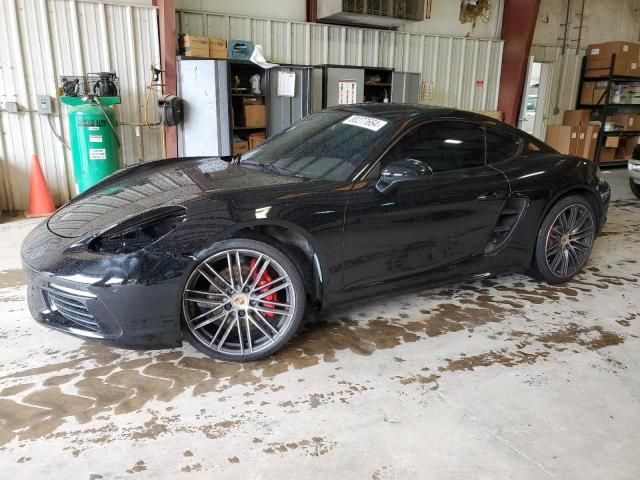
{"x":438,"y":220}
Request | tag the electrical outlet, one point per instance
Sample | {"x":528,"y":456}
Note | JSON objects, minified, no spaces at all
{"x":45,"y":105}
{"x":11,"y":107}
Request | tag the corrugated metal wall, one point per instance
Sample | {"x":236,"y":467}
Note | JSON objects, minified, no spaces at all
{"x":44,"y":39}
{"x":465,"y":72}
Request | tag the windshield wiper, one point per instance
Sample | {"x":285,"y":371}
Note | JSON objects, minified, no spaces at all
{"x":270,"y":167}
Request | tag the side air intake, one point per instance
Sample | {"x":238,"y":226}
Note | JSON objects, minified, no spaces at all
{"x":511,"y":214}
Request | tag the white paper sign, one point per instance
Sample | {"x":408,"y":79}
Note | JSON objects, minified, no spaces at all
{"x":426,"y":90}
{"x":93,"y":138}
{"x":369,"y":123}
{"x":286,"y":84}
{"x":347,"y":90}
{"x":97,"y":153}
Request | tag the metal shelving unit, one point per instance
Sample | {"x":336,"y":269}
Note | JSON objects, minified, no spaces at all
{"x":606,"y":108}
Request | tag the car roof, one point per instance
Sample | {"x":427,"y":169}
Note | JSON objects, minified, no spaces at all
{"x":405,"y":111}
{"x":404,"y":114}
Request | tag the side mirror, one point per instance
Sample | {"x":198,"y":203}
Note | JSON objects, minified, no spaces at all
{"x":401,"y":171}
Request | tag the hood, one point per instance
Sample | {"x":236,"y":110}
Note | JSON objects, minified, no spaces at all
{"x":138,"y":189}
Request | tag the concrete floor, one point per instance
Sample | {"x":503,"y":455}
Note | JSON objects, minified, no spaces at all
{"x":503,"y":378}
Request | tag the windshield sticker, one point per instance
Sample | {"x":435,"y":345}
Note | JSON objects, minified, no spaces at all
{"x":369,"y":123}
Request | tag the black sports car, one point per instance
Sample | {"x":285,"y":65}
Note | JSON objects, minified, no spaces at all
{"x":350,"y":202}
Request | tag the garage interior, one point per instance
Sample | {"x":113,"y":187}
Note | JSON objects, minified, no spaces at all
{"x":504,"y":377}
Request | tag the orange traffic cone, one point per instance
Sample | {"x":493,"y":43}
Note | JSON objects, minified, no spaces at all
{"x":40,"y":199}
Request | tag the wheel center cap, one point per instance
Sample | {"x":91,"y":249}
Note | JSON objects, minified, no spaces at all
{"x":565,"y":240}
{"x":239,"y":300}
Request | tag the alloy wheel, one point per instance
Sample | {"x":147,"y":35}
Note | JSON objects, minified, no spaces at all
{"x":239,"y":302}
{"x":569,"y":240}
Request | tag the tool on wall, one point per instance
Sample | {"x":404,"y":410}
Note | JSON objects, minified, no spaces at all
{"x":472,"y":10}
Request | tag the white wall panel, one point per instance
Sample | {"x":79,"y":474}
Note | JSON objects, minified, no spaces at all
{"x":565,"y":78}
{"x":453,"y":64}
{"x":50,"y":38}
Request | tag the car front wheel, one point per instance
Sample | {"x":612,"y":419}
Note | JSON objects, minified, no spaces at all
{"x":243,"y":302}
{"x":565,"y":240}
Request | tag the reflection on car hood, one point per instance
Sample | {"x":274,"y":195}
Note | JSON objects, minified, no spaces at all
{"x":155,"y":184}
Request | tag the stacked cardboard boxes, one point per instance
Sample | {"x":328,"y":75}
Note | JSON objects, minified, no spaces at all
{"x":250,"y":112}
{"x":625,"y":122}
{"x":593,"y":93}
{"x":240,"y":146}
{"x":202,"y":47}
{"x":599,"y":59}
{"x":256,"y":139}
{"x":576,"y":136}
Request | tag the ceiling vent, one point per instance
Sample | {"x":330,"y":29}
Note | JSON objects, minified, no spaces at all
{"x":371,"y":13}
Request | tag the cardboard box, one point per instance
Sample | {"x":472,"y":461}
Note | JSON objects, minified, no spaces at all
{"x":194,"y":46}
{"x":607,"y":155}
{"x":240,"y":147}
{"x":625,"y":148}
{"x":586,"y":96}
{"x":574,"y":141}
{"x":575,"y":118}
{"x":599,"y":91}
{"x":493,"y":114}
{"x":254,"y":116}
{"x":599,"y":59}
{"x":559,"y":137}
{"x":587,"y":141}
{"x":612,"y":142}
{"x":217,"y":47}
{"x":628,"y":122}
{"x":256,"y":139}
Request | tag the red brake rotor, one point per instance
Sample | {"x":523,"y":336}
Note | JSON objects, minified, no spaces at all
{"x":264,"y":280}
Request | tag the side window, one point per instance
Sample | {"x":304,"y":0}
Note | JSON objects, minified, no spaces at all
{"x":443,"y":146}
{"x":501,"y":146}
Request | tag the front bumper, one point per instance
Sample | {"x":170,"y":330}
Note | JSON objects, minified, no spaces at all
{"x":131,"y":301}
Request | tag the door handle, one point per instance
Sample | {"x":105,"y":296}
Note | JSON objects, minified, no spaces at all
{"x":489,"y":196}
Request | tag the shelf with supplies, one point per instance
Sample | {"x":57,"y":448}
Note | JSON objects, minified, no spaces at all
{"x":602,"y":74}
{"x":248,"y":87}
{"x":622,"y":133}
{"x":611,"y":106}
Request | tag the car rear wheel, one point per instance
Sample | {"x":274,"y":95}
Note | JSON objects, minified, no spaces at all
{"x":243,"y":302}
{"x":635,"y":188}
{"x":565,"y":240}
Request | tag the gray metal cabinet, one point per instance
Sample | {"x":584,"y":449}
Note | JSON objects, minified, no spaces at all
{"x":332,"y":79}
{"x":405,"y":87}
{"x":284,"y":110}
{"x":203,"y":86}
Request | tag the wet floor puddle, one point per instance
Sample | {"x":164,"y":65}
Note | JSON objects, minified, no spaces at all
{"x":108,"y":381}
{"x":35,"y":402}
{"x":12,"y":278}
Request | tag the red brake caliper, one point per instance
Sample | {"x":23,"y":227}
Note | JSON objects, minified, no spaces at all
{"x":264,"y":280}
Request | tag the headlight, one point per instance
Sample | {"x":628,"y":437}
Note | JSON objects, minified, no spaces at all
{"x":138,"y":232}
{"x":634,"y":167}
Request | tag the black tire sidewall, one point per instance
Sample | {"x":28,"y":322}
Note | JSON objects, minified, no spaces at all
{"x":298,"y":289}
{"x":635,"y":188}
{"x":540,"y":261}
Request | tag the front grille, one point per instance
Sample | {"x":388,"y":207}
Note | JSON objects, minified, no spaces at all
{"x":72,"y":309}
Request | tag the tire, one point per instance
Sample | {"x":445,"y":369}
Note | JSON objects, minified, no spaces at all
{"x":565,"y":240}
{"x":246,"y":316}
{"x":635,"y":188}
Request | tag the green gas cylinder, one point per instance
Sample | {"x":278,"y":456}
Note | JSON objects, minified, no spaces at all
{"x":93,"y":140}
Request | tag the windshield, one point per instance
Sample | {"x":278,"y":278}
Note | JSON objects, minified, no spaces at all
{"x":327,"y":145}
